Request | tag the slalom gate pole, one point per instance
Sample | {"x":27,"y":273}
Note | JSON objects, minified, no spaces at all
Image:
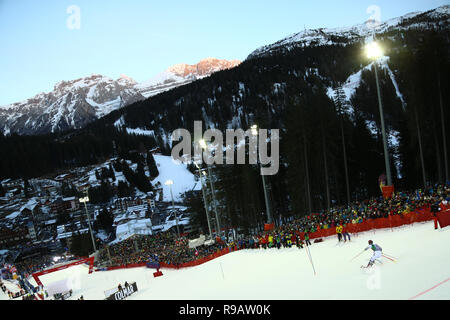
{"x":310,"y":259}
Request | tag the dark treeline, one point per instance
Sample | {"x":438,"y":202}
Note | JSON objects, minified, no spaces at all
{"x":34,"y":156}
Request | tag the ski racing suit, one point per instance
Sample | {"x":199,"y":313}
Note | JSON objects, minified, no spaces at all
{"x":377,"y":251}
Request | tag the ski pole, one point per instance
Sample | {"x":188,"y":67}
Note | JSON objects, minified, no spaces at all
{"x":357,"y":255}
{"x":310,"y":259}
{"x":388,"y":258}
{"x":389,"y":255}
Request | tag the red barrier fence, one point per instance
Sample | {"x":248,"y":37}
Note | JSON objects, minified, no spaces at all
{"x":36,"y":275}
{"x":200,"y":260}
{"x":393,"y":221}
{"x":133,"y":265}
{"x":420,"y":215}
{"x":172,"y":266}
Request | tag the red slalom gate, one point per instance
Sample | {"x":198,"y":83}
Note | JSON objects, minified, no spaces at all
{"x":36,"y":275}
{"x":444,"y":218}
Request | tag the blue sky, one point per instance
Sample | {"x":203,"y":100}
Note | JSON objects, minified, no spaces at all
{"x":142,"y":38}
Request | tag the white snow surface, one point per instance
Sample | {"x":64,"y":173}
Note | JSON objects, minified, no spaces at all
{"x":354,"y":81}
{"x":422,"y":262}
{"x":183,"y":179}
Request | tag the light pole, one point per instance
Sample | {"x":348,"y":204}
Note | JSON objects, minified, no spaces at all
{"x":254,"y":130}
{"x":204,"y":199}
{"x":85,"y":200}
{"x":170,"y":183}
{"x":374,"y":52}
{"x":204,"y":146}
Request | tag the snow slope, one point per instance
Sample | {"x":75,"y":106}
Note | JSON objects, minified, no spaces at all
{"x":183,"y":179}
{"x":422,"y":252}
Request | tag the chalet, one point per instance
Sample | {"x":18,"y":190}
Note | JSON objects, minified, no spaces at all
{"x":31,"y":208}
{"x":65,"y":204}
{"x":31,"y":231}
{"x":72,"y":203}
{"x":9,"y":184}
{"x":123,"y":204}
{"x":83,"y":187}
{"x":10,"y":237}
{"x":132,"y":213}
{"x":64,"y":177}
{"x":156,"y":150}
{"x":49,"y":188}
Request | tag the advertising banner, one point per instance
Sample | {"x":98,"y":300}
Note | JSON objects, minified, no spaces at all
{"x":387,"y":191}
{"x":125,"y":292}
{"x":444,"y":218}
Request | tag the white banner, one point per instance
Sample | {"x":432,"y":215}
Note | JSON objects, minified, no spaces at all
{"x":60,"y":286}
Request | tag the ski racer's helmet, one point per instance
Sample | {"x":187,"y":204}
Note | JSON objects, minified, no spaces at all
{"x":370,"y":241}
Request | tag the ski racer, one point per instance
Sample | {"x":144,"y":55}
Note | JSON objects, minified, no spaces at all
{"x":377,"y":251}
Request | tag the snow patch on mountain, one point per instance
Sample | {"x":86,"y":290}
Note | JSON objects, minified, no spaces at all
{"x":183,"y":179}
{"x":384,"y":65}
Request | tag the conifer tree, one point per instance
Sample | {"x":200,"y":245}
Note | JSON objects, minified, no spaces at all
{"x":152,"y":167}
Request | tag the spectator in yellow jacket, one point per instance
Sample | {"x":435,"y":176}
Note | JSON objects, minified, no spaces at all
{"x":270,"y":241}
{"x":339,"y":232}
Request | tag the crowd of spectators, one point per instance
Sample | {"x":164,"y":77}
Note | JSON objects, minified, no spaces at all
{"x":34,"y":264}
{"x":167,"y":248}
{"x":401,"y":203}
{"x":162,"y":247}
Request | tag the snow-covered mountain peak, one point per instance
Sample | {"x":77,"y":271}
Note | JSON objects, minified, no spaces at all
{"x":203,"y":67}
{"x":74,"y":103}
{"x":182,"y":73}
{"x":124,"y":79}
{"x":330,"y":36}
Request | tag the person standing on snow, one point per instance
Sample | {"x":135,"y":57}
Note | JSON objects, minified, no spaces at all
{"x":345,"y":233}
{"x":377,"y":251}
{"x":270,"y":241}
{"x":307,"y":239}
{"x":339,"y":232}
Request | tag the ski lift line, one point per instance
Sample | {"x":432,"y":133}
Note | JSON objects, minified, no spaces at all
{"x":428,"y":290}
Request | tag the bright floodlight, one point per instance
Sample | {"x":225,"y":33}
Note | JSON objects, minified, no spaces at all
{"x":168,"y":182}
{"x":373,"y":50}
{"x":85,"y":199}
{"x":202,"y":143}
{"x":254,"y":129}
